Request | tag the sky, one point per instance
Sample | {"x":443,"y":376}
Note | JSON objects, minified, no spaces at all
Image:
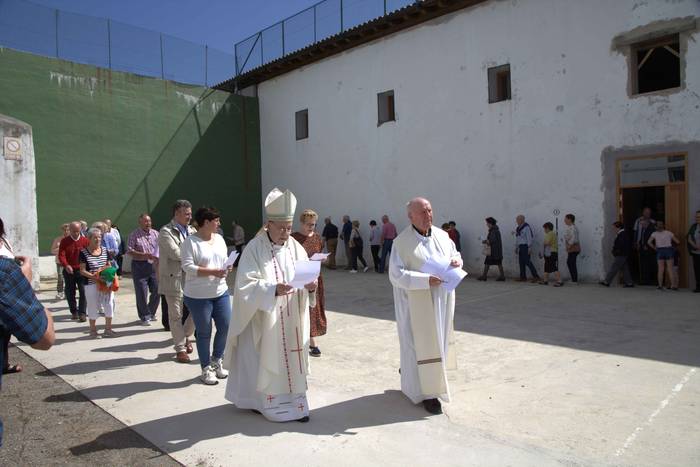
{"x":217,"y":23}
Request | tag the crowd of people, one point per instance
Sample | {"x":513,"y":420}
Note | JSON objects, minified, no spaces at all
{"x":183,"y":268}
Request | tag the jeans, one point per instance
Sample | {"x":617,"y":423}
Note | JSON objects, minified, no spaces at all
{"x":525,"y":261}
{"x":203,"y":311}
{"x":145,"y":283}
{"x":75,"y":281}
{"x":375,"y":256}
{"x":571,"y":263}
{"x":60,"y":283}
{"x":620,"y":262}
{"x":386,"y":250}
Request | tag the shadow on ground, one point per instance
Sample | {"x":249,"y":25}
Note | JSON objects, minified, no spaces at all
{"x":641,"y":322}
{"x":186,"y":430}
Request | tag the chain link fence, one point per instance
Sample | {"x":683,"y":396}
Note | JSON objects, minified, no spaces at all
{"x":110,"y":44}
{"x":318,"y":22}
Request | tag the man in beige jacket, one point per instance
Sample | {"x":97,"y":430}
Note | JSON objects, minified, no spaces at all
{"x":171,"y":277}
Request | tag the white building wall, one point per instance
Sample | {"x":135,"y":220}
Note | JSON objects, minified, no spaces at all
{"x":538,"y":152}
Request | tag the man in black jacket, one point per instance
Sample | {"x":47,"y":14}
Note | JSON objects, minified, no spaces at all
{"x":621,"y":251}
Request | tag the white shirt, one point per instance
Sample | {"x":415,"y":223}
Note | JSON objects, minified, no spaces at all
{"x":196,"y":253}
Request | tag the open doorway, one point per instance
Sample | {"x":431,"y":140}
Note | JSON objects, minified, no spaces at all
{"x":634,"y":201}
{"x":660,"y":184}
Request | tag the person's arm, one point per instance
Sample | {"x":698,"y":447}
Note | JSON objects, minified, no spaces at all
{"x":131,"y":249}
{"x":84,"y":272}
{"x":55,"y":245}
{"x":167,"y":246}
{"x":20,"y":310}
{"x":62,"y":256}
{"x":652,"y":242}
{"x":404,"y":278}
{"x":690,"y":238}
{"x":674,"y":239}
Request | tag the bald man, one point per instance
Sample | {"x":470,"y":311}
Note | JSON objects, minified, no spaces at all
{"x":424,"y":309}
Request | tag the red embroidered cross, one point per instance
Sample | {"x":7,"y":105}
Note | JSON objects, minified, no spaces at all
{"x":298,"y":349}
{"x":270,"y":398}
{"x":301,"y":407}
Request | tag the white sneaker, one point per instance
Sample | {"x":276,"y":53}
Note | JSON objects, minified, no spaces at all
{"x":60,"y":296}
{"x":218,"y":367}
{"x":365,"y":269}
{"x":209,"y":376}
{"x":145,"y":322}
{"x":353,"y":271}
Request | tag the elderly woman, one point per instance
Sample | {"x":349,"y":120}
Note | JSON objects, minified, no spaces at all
{"x":94,"y":259}
{"x":493,"y":250}
{"x":206,"y":295}
{"x":312,"y":243}
{"x":108,"y":241}
{"x":356,"y":245}
{"x":60,"y":284}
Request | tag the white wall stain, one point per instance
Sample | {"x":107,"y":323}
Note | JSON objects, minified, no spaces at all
{"x":89,"y":83}
{"x":191,"y":100}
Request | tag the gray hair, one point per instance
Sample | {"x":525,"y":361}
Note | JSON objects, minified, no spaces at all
{"x":93,"y":231}
{"x":99,"y":225}
{"x":181,"y":203}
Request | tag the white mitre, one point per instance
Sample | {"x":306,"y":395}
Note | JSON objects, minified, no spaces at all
{"x":280,"y":206}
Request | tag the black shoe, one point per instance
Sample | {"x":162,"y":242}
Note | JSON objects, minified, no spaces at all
{"x":314,"y":351}
{"x":696,"y":291}
{"x":604,"y":283}
{"x":501,"y":279}
{"x":481,"y":278}
{"x":82,"y":318}
{"x":256,"y":411}
{"x":433,"y":406}
{"x":628,"y":286}
{"x":303,"y":419}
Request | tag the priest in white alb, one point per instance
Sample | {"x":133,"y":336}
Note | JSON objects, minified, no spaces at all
{"x":424,"y":309}
{"x":267,"y":351}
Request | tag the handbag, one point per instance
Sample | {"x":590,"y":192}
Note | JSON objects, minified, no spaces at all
{"x":487,"y":250}
{"x":575,"y":248}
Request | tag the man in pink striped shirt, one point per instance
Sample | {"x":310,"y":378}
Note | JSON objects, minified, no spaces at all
{"x":387,"y":239}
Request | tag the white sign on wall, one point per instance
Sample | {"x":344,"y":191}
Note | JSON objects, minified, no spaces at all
{"x":12,"y":148}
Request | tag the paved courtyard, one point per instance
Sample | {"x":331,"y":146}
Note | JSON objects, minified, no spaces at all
{"x":580,"y":375}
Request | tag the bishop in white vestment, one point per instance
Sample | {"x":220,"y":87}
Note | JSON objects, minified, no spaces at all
{"x":424,"y":309}
{"x":268,"y":342}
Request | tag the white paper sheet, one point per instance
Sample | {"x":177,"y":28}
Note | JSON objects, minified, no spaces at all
{"x":304,"y":273}
{"x":319,"y":256}
{"x":231,"y":259}
{"x":439,"y":266}
{"x":452,"y":277}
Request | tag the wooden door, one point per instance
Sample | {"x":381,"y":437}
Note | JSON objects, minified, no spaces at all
{"x":677,"y":222}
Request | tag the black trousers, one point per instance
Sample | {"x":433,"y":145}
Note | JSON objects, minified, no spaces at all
{"x":696,"y":268}
{"x":375,"y":256}
{"x":357,"y":254}
{"x":74,"y":282}
{"x":571,"y":263}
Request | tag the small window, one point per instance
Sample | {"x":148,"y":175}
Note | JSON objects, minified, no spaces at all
{"x":499,"y":83}
{"x":385,"y":102}
{"x":656,"y":65}
{"x":302,"y":124}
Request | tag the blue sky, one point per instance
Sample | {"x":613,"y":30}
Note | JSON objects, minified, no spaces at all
{"x":218,"y":23}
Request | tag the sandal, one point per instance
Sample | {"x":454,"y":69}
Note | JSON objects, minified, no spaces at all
{"x":314,"y":351}
{"x":12,"y":369}
{"x":541,"y":282}
{"x":557,"y":284}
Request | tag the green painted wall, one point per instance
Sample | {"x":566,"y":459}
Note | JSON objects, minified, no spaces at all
{"x":112,"y":144}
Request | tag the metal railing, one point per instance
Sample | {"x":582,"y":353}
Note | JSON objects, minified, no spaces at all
{"x":318,"y":22}
{"x":110,"y":44}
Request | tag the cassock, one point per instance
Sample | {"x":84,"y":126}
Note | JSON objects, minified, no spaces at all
{"x":424,"y":314}
{"x":268,"y":341}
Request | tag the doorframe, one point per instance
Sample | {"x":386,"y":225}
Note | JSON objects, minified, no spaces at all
{"x":684,"y":264}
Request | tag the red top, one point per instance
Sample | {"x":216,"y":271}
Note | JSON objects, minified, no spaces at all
{"x":69,"y":251}
{"x":453,"y":235}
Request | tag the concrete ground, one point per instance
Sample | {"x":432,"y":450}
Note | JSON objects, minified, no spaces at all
{"x":581,"y":375}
